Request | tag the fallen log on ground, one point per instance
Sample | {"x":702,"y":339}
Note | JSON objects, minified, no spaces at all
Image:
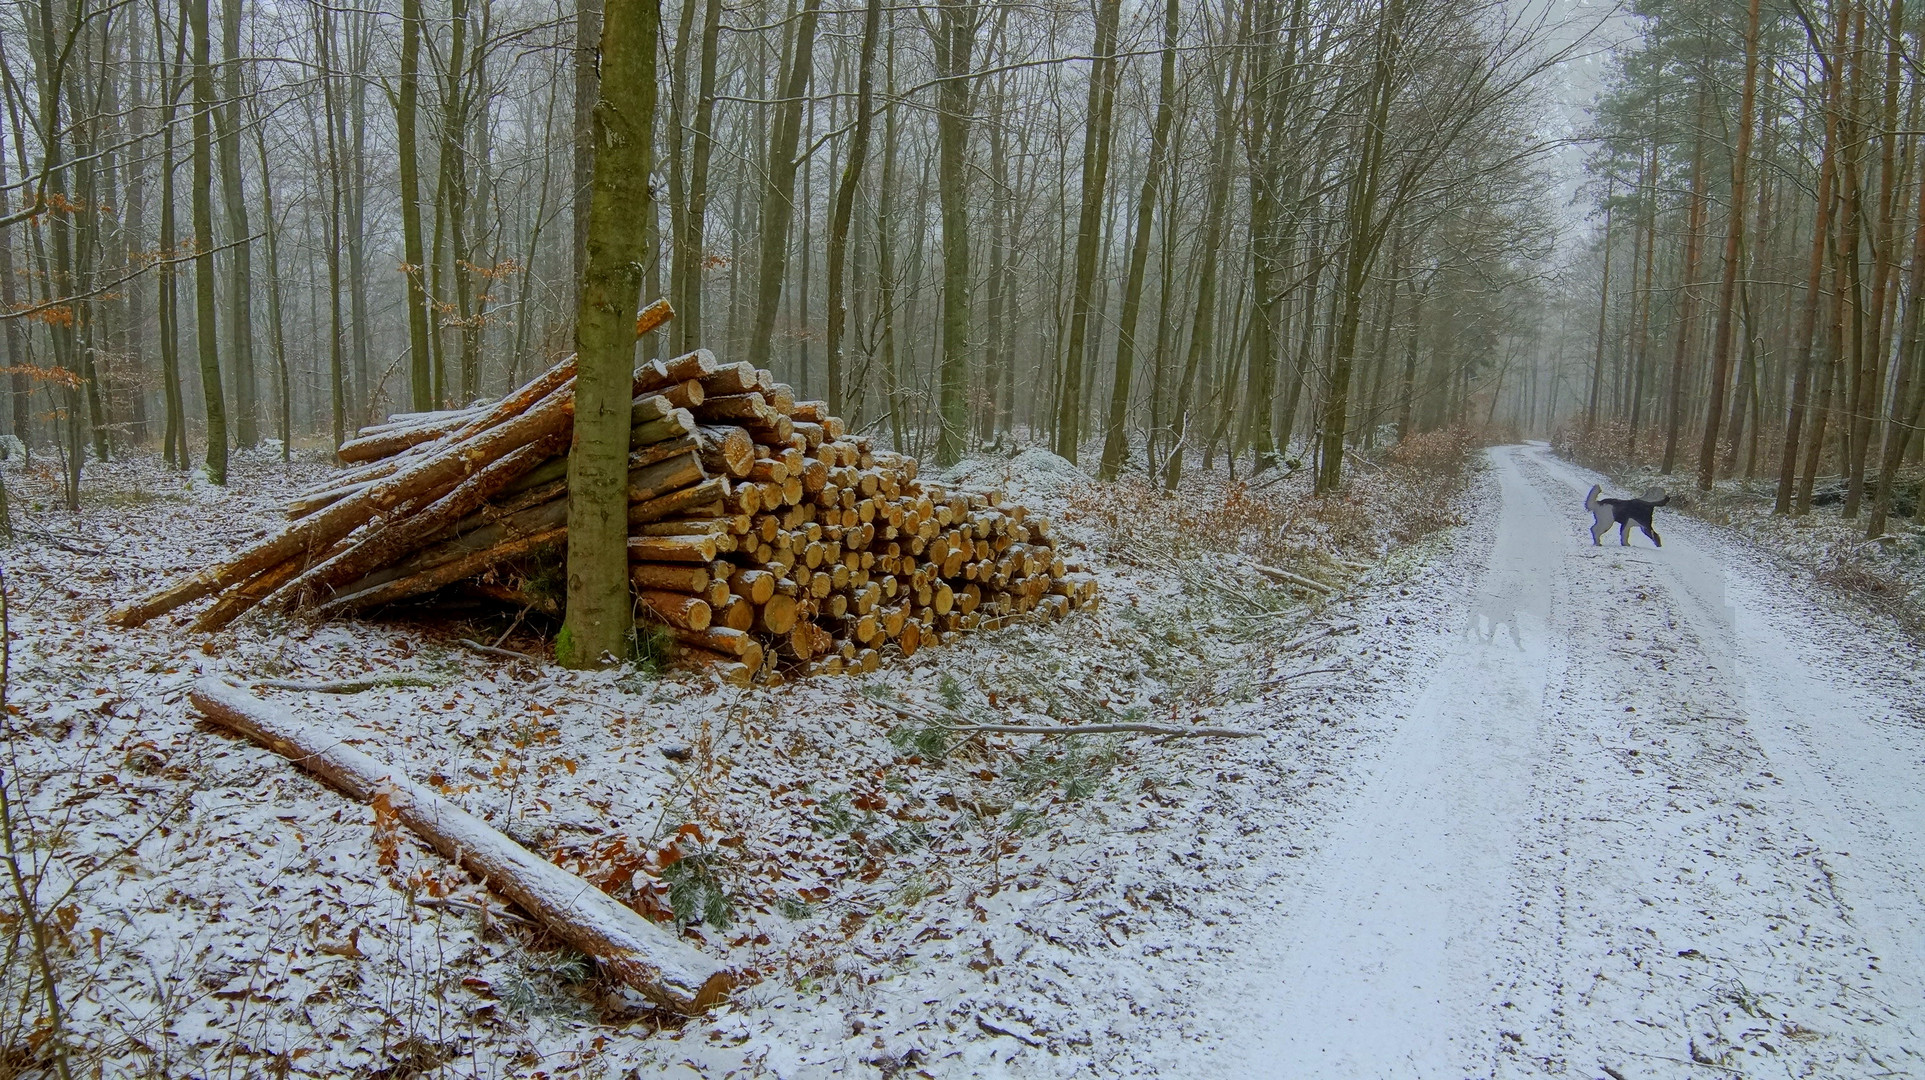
{"x":641,"y":955}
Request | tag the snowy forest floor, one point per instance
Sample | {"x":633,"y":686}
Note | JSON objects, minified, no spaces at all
{"x":1548,"y":809}
{"x":909,"y":903}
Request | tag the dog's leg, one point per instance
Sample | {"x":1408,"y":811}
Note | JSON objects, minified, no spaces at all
{"x":1624,"y":534}
{"x":1652,"y":533}
{"x":1598,"y":528}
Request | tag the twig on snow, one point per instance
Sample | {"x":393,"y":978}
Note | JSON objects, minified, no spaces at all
{"x":1103,"y":729}
{"x":490,"y":650}
{"x":1164,"y":730}
{"x":1682,"y":1061}
{"x":450,"y":903}
{"x":1299,"y":674}
{"x":519,"y":615}
{"x":1298,"y":643}
{"x":992,"y":1029}
{"x":1289,"y":578}
{"x":347,"y":686}
{"x":61,"y":542}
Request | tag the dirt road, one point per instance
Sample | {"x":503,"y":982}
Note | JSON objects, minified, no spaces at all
{"x":1654,"y":813}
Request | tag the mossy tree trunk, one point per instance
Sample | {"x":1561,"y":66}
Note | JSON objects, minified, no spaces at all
{"x":598,"y":621}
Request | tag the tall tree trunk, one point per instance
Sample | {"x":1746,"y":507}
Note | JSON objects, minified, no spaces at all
{"x":354,"y":150}
{"x":1814,"y":291}
{"x":457,"y":99}
{"x":1603,"y":310}
{"x":1694,"y":228}
{"x":1095,"y":171}
{"x":420,"y":359}
{"x":1871,"y":373}
{"x":19,"y":390}
{"x":843,"y":211}
{"x":86,"y":117}
{"x":1166,"y":328}
{"x":240,"y":316}
{"x":1275,"y":173}
{"x":1908,"y":391}
{"x":1640,"y":345}
{"x":1746,"y":401}
{"x":955,"y":45}
{"x":1210,"y":255}
{"x":677,"y":140}
{"x":174,"y":434}
{"x":1733,"y":251}
{"x":330,"y":121}
{"x":1851,"y":219}
{"x":886,"y":261}
{"x":1361,"y":247}
{"x":133,"y":234}
{"x":205,"y":328}
{"x":598,"y":623}
{"x":1002,"y":341}
{"x":56,"y":270}
{"x":685,"y":280}
{"x":276,"y":324}
{"x":778,"y":197}
{"x":1407,"y":391}
{"x":1116,"y":438}
{"x":588,"y":37}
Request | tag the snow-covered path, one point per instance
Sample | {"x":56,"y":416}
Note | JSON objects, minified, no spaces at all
{"x":1652,"y":813}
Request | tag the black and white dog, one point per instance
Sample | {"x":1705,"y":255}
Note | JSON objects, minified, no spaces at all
{"x":1623,"y":513}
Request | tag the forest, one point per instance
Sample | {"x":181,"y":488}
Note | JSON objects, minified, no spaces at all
{"x":1756,"y":278}
{"x":603,"y":539}
{"x":1130,"y":234}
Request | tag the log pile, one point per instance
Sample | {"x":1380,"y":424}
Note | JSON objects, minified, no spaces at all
{"x":763,"y":535}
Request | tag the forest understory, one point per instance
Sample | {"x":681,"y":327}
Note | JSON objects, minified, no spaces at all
{"x":909,"y":900}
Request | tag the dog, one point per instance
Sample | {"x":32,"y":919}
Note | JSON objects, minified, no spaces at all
{"x":1623,"y":513}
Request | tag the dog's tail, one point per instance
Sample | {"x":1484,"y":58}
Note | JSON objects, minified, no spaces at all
{"x":1591,"y":500}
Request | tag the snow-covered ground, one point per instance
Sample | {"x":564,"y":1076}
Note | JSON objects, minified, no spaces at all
{"x":1653,"y":812}
{"x":1548,"y":808}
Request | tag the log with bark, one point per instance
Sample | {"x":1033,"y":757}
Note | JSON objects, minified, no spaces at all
{"x":649,"y":959}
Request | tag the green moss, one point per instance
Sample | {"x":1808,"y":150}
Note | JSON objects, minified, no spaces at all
{"x":565,"y":648}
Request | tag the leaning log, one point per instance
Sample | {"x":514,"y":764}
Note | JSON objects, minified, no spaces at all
{"x":641,"y":955}
{"x":396,"y":539}
{"x":431,"y":477}
{"x":445,"y":574}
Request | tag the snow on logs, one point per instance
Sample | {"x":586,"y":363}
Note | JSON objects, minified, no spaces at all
{"x":763,"y":536}
{"x":647,"y":958}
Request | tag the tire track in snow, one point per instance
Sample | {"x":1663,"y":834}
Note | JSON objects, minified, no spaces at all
{"x":1610,"y":831}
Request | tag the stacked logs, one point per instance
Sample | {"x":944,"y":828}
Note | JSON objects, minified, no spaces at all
{"x":826,"y":552}
{"x":763,"y":536}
